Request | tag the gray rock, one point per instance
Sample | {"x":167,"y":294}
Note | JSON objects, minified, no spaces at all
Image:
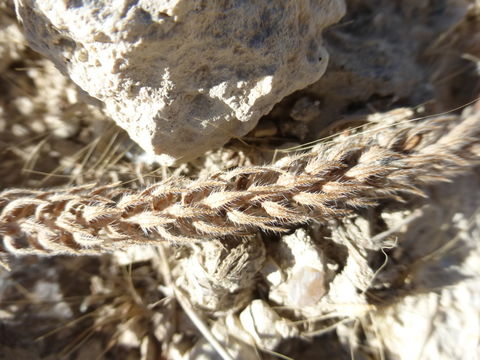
{"x":184,"y":76}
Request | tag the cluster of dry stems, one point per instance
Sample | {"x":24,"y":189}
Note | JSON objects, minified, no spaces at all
{"x":328,"y":181}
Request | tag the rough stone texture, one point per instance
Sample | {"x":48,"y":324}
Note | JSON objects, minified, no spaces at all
{"x":386,"y":54}
{"x":184,"y":76}
{"x":439,"y":319}
{"x":440,"y":325}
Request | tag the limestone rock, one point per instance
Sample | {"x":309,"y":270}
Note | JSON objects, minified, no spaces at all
{"x":184,"y":76}
{"x":387,"y":54}
{"x":263,"y":325}
{"x":296,"y":271}
{"x":443,"y":324}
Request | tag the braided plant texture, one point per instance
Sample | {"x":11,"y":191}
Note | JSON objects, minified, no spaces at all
{"x":328,"y":181}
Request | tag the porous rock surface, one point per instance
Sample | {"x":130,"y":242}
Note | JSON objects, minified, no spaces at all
{"x":386,"y":53}
{"x":184,"y":76}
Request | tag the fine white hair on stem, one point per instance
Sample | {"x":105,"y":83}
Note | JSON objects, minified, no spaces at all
{"x":329,"y":181}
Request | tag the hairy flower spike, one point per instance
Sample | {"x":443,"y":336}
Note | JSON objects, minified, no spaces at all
{"x":329,"y":181}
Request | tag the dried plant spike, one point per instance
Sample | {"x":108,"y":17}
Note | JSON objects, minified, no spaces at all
{"x":329,"y":181}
